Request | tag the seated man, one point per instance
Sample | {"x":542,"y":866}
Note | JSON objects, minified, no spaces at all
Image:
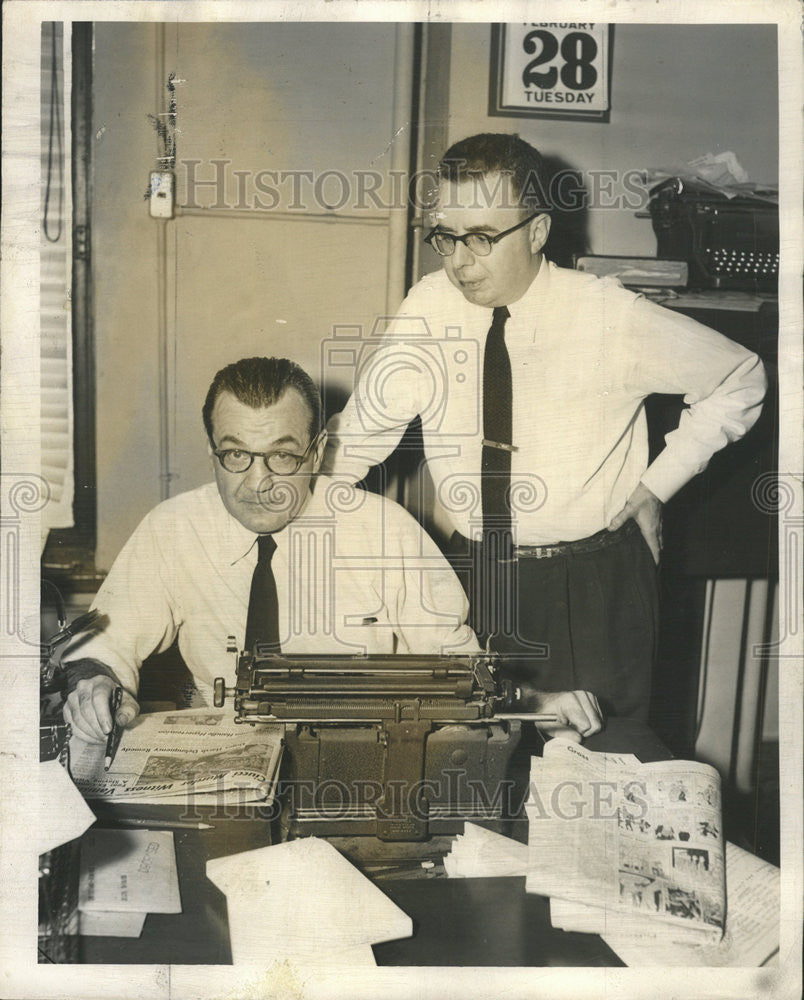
{"x":272,"y":551}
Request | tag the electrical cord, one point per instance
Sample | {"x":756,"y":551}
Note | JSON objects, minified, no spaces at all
{"x":54,"y":129}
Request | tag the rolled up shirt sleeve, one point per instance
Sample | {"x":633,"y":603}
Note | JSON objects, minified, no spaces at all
{"x":723,"y":385}
{"x":139,"y":613}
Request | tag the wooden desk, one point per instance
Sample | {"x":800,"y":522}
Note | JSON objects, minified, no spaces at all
{"x":488,"y":922}
{"x":200,"y":933}
{"x":484,"y":921}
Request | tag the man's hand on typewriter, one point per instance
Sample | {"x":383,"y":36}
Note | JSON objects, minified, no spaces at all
{"x":88,"y":708}
{"x":577,"y":712}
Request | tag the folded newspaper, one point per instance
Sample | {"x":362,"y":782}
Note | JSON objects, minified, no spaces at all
{"x":167,"y":757}
{"x":751,"y":937}
{"x":753,"y":889}
{"x":643,"y":841}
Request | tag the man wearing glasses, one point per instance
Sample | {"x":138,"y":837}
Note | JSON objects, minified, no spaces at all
{"x":538,"y":449}
{"x":271,"y":552}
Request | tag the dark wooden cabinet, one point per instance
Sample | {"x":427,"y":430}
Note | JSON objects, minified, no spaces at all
{"x":718,"y":526}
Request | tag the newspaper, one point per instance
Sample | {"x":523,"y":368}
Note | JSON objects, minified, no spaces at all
{"x":167,"y":757}
{"x":753,"y":907}
{"x":751,"y":935}
{"x":641,"y":840}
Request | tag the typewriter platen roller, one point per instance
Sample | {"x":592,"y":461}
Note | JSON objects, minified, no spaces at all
{"x":399,"y":747}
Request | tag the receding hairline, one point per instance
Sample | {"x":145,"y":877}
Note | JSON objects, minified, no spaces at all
{"x":226,"y":391}
{"x":260,"y":382}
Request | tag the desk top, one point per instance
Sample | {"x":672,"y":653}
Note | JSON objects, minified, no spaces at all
{"x":456,"y":922}
{"x":483,"y":922}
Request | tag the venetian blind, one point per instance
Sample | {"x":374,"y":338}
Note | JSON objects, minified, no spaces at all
{"x":55,"y":278}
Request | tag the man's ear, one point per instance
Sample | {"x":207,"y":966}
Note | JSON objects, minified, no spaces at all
{"x":318,"y":451}
{"x":539,"y":231}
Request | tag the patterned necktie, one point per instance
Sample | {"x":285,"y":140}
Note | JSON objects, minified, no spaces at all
{"x":496,"y":477}
{"x":262,"y":624}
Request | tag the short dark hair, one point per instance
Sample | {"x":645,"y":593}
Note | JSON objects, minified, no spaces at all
{"x":503,"y":153}
{"x":259,"y":382}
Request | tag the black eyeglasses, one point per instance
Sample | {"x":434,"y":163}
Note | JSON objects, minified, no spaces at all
{"x":479,"y":243}
{"x":281,"y":463}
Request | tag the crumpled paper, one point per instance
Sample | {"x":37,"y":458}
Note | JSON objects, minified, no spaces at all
{"x":720,"y":172}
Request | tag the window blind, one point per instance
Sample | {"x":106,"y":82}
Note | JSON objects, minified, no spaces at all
{"x":56,"y":408}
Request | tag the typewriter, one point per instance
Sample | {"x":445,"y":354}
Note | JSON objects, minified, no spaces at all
{"x":397,"y":747}
{"x":728,"y":243}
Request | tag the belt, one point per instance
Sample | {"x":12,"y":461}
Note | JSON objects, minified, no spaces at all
{"x":602,"y":540}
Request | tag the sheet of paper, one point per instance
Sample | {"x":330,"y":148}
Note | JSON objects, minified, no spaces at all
{"x":108,"y":923}
{"x":63,"y":813}
{"x":319,"y":903}
{"x":257,"y":941}
{"x":132,"y":870}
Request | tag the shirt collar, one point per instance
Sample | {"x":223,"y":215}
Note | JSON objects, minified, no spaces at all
{"x":524,"y":307}
{"x":238,"y":541}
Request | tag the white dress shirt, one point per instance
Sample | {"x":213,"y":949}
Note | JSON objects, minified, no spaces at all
{"x":354,"y":573}
{"x":584,"y":353}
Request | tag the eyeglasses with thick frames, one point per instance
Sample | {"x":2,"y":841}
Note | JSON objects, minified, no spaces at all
{"x":281,"y":463}
{"x":479,"y":243}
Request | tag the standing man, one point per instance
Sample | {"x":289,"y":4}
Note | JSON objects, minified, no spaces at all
{"x":538,"y":445}
{"x":272,"y":552}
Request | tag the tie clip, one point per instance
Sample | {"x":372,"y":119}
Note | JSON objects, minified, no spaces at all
{"x":499,"y":444}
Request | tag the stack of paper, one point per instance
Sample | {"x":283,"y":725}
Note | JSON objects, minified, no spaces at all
{"x":635,"y":852}
{"x":751,"y":934}
{"x":303,"y":901}
{"x":479,"y":852}
{"x":752,"y":922}
{"x":126,"y":874}
{"x":642,"y":840}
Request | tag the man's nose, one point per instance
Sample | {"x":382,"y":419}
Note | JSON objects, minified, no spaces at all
{"x":463,"y":256}
{"x":259,"y":478}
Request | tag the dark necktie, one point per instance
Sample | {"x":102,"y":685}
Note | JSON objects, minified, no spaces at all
{"x":262,"y":624}
{"x":496,"y":477}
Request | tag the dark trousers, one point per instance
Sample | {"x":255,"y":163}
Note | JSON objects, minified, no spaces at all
{"x":585,"y":619}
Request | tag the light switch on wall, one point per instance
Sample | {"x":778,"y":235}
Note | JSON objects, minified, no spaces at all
{"x":161,"y":204}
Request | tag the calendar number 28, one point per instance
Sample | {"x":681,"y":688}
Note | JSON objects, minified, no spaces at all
{"x":577,"y":54}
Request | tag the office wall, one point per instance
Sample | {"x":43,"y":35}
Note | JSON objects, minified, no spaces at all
{"x":677,"y":92}
{"x":266,"y":97}
{"x":318,"y":97}
{"x":125,"y":281}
